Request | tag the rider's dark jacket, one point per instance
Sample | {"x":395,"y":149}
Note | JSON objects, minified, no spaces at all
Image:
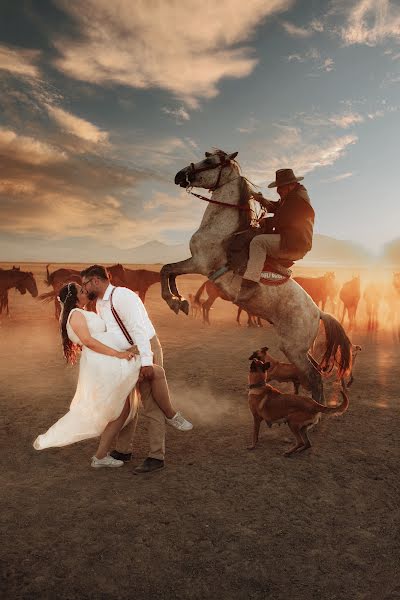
{"x":293,"y":219}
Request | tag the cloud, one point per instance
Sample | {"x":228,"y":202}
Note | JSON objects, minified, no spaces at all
{"x":76,"y":125}
{"x":327,"y":65}
{"x":180,"y":114}
{"x":296,"y":31}
{"x":28,"y":150}
{"x":19,"y":62}
{"x":46,"y":192}
{"x":250,"y":126}
{"x":315,"y":26}
{"x":185,"y":48}
{"x":346,"y":120}
{"x":371,"y":22}
{"x":336,"y":178}
{"x":314,"y":57}
{"x":302,"y":157}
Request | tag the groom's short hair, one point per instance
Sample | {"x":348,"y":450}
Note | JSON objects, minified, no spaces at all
{"x":95,"y":271}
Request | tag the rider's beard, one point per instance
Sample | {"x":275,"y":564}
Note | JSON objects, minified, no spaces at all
{"x":92,"y":295}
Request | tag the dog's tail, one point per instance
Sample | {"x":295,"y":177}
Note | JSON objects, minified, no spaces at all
{"x":339,"y":409}
{"x":338,"y":347}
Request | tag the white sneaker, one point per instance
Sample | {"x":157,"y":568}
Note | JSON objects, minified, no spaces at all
{"x":107,"y":461}
{"x":179,"y":422}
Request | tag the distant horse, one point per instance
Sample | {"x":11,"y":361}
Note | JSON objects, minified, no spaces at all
{"x":350,"y":295}
{"x":4,"y":296}
{"x":213,"y":292}
{"x":57,"y":279}
{"x":137,"y":280}
{"x":372,"y":296}
{"x":319,"y":288}
{"x":15,"y":278}
{"x":195,"y":307}
{"x":395,"y":305}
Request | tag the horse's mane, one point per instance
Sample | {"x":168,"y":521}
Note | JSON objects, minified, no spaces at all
{"x":246,"y":192}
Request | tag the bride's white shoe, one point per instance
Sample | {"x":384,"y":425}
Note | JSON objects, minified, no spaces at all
{"x":107,"y":461}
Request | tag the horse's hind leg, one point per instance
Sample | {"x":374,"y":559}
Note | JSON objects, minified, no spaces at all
{"x":313,"y":376}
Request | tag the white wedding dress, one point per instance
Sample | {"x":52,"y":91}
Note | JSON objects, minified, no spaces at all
{"x":103,"y":385}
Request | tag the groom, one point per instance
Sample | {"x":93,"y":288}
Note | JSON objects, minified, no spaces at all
{"x":134,"y":316}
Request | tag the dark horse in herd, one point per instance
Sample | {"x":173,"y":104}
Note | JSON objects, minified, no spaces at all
{"x":22,"y":281}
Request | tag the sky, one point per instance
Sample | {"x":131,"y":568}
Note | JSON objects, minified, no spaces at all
{"x":101,"y":103}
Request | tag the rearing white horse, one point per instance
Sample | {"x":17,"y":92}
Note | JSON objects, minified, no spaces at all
{"x":288,"y":307}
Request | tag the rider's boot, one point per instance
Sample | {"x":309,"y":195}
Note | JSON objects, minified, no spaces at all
{"x":247,"y":290}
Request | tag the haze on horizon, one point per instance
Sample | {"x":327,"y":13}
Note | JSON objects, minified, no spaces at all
{"x":101,"y":103}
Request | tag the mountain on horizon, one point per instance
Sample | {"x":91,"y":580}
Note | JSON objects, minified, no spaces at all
{"x":325,"y":250}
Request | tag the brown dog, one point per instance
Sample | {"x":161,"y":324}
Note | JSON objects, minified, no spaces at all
{"x":279,"y":371}
{"x":270,"y":405}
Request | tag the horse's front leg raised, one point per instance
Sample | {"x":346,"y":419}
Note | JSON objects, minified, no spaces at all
{"x":169,"y":290}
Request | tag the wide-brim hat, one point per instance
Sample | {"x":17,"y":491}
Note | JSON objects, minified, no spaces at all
{"x":284,"y":177}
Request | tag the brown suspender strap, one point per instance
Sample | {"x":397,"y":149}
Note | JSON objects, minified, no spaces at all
{"x":119,"y":320}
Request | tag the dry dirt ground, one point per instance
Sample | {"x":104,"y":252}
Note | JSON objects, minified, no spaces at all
{"x":219,"y":522}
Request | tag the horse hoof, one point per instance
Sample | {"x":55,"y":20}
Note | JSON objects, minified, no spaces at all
{"x":184,"y":307}
{"x":174,"y":304}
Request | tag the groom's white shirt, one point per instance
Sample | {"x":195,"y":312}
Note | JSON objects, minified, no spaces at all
{"x":134,"y":316}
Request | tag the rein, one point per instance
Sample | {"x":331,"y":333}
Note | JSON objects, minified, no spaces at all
{"x":211,"y":201}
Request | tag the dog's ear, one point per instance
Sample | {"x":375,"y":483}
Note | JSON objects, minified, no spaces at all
{"x":266,"y":366}
{"x":265,"y":349}
{"x":253,"y":356}
{"x":256,"y":366}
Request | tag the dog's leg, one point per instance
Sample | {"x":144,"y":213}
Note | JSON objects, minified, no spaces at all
{"x":296,"y":385}
{"x":304,"y":435}
{"x":256,"y":430}
{"x":295,"y":429}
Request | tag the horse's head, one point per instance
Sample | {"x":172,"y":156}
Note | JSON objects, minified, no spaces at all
{"x":116,"y":274}
{"x":209,"y":173}
{"x":21,"y":288}
{"x":28,"y":282}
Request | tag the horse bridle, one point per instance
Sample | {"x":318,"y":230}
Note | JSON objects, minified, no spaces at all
{"x":221,"y":165}
{"x":193,"y":171}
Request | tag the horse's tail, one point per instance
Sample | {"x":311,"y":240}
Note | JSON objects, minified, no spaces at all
{"x":338,"y":347}
{"x":48,"y":280}
{"x":47,"y":297}
{"x":339,"y":409}
{"x":199,"y":292}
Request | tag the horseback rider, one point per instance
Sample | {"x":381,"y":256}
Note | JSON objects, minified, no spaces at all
{"x":286,"y":236}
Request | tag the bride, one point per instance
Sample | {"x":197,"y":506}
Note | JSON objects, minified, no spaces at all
{"x":105,"y":399}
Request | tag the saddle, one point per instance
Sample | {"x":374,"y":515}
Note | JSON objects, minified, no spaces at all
{"x":275,"y":271}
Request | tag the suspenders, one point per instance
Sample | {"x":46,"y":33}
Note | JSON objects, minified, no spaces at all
{"x":119,"y":321}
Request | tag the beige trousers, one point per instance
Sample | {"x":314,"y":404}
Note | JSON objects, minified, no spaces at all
{"x":154,"y":415}
{"x":261,"y":246}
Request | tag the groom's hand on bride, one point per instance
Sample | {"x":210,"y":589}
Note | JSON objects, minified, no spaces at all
{"x":146,"y":373}
{"x":126,"y":354}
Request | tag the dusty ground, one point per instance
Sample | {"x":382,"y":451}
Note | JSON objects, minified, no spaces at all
{"x":219,"y":522}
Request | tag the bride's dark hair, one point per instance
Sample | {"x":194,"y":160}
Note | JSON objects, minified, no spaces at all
{"x":68,"y":297}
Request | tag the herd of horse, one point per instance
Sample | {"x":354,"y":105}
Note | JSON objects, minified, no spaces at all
{"x":342,"y":301}
{"x":326,"y":291}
